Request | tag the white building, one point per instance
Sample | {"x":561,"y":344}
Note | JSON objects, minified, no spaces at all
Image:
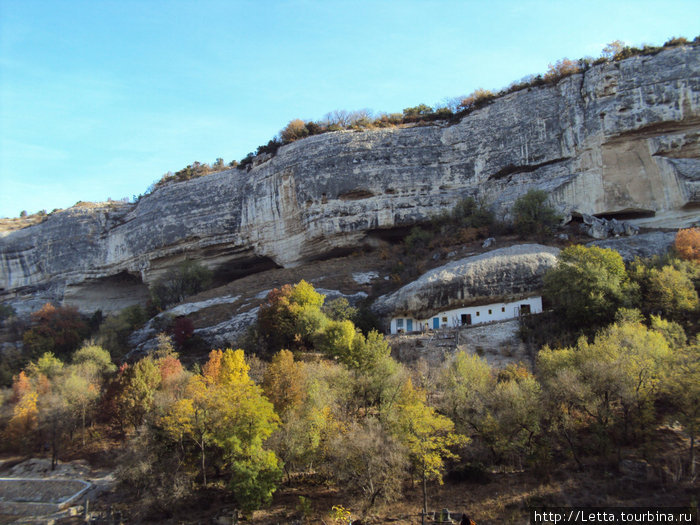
{"x":468,"y":315}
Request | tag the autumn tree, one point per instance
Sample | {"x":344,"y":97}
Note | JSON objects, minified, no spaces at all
{"x":500,"y":411}
{"x":82,"y":386}
{"x":225,"y":410}
{"x":290,"y":316}
{"x":55,"y":329}
{"x":427,"y":435}
{"x":295,"y":130}
{"x":284,"y":382}
{"x":687,"y":244}
{"x":611,"y":383}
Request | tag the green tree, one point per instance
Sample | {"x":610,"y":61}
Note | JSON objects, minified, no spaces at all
{"x":588,"y":285}
{"x":188,"y":278}
{"x":138,"y":396}
{"x":611,"y":383}
{"x":532,"y":213}
{"x":468,"y":213}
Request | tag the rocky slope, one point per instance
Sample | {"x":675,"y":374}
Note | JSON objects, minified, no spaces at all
{"x":622,"y":138}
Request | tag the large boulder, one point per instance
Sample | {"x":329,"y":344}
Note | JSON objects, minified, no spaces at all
{"x":497,"y":276}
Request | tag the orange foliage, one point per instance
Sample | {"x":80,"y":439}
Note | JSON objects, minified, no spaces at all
{"x":688,"y":244}
{"x":20,"y":386}
{"x":170,"y":367}
{"x":212,"y":369}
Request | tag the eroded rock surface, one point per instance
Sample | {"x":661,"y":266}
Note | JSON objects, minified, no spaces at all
{"x":622,"y":138}
{"x":496,"y":276}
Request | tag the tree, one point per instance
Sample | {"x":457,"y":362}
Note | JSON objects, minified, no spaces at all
{"x":290,"y":316}
{"x":468,"y":213}
{"x":188,"y":278}
{"x":588,"y":285}
{"x":501,"y":411}
{"x":613,"y":49}
{"x":284,"y":382}
{"x":295,"y":130}
{"x":417,"y":111}
{"x":666,"y":289}
{"x":610,"y":384}
{"x":138,"y":396}
{"x":562,"y":68}
{"x":533,"y":214}
{"x":367,"y":458}
{"x":55,"y":329}
{"x":682,"y":387}
{"x":687,"y":244}
{"x":427,"y":435}
{"x":223,"y":408}
{"x":340,"y":310}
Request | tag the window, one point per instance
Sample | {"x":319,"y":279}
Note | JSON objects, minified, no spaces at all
{"x":477,"y":313}
{"x":399,"y":324}
{"x":444,"y":319}
{"x":489,"y":311}
{"x":503,"y":308}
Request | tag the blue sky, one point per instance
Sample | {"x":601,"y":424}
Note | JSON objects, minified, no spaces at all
{"x":99,"y":98}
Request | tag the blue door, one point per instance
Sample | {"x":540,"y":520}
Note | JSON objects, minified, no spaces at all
{"x":409,"y":325}
{"x":436,"y":323}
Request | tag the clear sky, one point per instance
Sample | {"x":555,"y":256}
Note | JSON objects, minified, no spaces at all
{"x":99,"y":98}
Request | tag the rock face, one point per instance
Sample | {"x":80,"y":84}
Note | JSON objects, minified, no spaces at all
{"x":643,"y":246}
{"x":495,"y":276}
{"x":620,"y":139}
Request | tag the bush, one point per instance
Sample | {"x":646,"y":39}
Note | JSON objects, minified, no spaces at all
{"x":562,"y":68}
{"x":295,"y":130}
{"x":533,"y":214}
{"x":476,"y":100}
{"x":418,"y":238}
{"x":188,"y":278}
{"x":468,"y":213}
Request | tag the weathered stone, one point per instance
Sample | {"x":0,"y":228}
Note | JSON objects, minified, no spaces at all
{"x":644,"y":245}
{"x":489,"y":242}
{"x":494,"y":276}
{"x":621,"y":136}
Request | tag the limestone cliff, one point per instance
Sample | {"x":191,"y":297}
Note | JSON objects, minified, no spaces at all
{"x":621,"y":138}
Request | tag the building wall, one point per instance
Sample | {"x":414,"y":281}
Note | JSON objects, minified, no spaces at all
{"x":469,"y":315}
